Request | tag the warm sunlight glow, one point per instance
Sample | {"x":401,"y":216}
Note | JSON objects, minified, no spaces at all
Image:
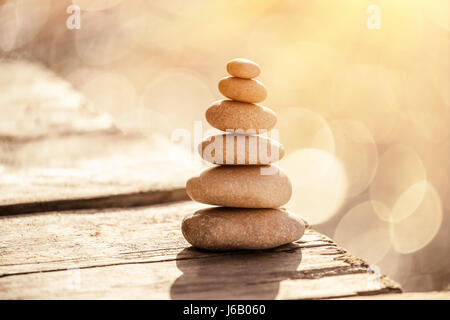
{"x":349,"y":233}
{"x":357,"y":151}
{"x":419,"y":228}
{"x":303,"y":128}
{"x":399,"y":167}
{"x":319,"y":184}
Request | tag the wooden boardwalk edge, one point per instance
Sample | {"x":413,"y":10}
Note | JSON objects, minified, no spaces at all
{"x":192,"y":284}
{"x":134,"y":199}
{"x":140,"y":253}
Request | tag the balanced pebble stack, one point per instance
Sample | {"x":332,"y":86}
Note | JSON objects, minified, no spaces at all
{"x":247,"y":188}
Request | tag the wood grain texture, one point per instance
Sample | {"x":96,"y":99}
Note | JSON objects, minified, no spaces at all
{"x":58,"y":153}
{"x":140,"y":253}
{"x":124,"y":172}
{"x":431,"y":295}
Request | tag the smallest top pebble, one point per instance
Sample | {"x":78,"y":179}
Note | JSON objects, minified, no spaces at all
{"x":243,"y":68}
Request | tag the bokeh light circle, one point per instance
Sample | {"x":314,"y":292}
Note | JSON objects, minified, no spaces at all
{"x":174,"y":99}
{"x":357,"y":151}
{"x":319,"y":184}
{"x":398,"y":168}
{"x":364,"y":93}
{"x":416,"y":230}
{"x":303,"y":128}
{"x":362,"y":233}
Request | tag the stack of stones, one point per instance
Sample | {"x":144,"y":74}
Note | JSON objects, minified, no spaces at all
{"x":247,"y":188}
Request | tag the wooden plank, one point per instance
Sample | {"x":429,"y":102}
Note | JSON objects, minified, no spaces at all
{"x":58,"y":153}
{"x":432,"y":295}
{"x":140,"y":253}
{"x":53,"y":241}
{"x":110,"y":201}
{"x":127,"y":172}
{"x":220,"y":278}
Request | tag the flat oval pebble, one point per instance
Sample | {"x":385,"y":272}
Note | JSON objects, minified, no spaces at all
{"x":229,"y":114}
{"x":243,"y":68}
{"x":244,"y":90}
{"x":238,"y":228}
{"x":240,"y":149}
{"x":241,"y":186}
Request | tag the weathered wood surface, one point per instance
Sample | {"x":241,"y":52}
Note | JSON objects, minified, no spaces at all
{"x":432,"y":295}
{"x":113,"y":179}
{"x":140,"y":253}
{"x":58,"y":153}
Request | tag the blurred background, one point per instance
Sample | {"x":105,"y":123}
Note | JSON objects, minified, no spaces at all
{"x":360,"y":87}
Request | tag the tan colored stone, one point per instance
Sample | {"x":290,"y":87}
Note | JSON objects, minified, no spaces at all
{"x":221,"y":228}
{"x":241,"y":186}
{"x":243,"y":68}
{"x":229,"y":114}
{"x":240,"y":149}
{"x":244,"y":90}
